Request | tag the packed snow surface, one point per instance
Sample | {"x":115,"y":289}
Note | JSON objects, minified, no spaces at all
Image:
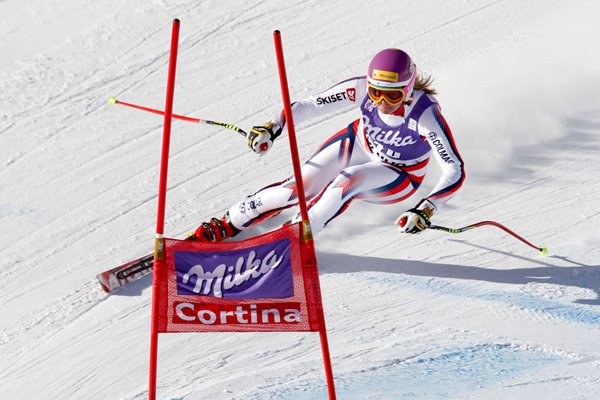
{"x":433,"y":316}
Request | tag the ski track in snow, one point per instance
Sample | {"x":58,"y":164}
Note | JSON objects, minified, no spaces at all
{"x":434,"y":316}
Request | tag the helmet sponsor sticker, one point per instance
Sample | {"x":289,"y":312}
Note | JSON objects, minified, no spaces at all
{"x":382,"y":75}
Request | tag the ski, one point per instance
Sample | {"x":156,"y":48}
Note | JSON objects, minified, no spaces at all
{"x":126,"y":273}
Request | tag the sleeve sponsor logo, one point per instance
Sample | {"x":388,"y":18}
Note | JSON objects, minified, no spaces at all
{"x":351,"y":92}
{"x":264,"y":271}
{"x":332,"y":99}
{"x":439,"y":147}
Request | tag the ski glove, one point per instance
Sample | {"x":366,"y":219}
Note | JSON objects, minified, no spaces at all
{"x":416,"y":219}
{"x":260,"y":138}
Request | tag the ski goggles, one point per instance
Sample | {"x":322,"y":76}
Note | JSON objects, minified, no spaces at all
{"x":392,"y":96}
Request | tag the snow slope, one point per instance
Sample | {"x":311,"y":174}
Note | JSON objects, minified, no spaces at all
{"x":434,"y":316}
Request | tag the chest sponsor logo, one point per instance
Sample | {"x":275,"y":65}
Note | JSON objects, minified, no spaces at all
{"x":370,"y":105}
{"x":391,"y":137}
{"x":412,"y":125}
{"x":264,"y":271}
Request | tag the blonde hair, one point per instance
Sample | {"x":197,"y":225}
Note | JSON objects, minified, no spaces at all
{"x":425,"y":83}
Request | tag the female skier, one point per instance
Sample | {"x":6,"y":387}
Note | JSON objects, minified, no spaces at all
{"x":380,"y":158}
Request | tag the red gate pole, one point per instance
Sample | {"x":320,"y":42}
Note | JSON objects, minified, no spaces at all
{"x":159,"y":262}
{"x":306,"y":229}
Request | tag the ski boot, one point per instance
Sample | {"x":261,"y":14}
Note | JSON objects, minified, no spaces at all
{"x":216,"y":230}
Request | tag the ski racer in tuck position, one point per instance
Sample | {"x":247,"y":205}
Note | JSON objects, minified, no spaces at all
{"x":380,"y":158}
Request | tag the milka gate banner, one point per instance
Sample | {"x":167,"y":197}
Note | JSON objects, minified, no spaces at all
{"x":266,"y":283}
{"x":257,"y":284}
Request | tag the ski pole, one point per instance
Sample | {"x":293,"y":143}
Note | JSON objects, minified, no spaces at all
{"x":239,"y":130}
{"x":542,"y":250}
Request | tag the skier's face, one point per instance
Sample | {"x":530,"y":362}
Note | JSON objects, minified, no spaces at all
{"x":393,"y":96}
{"x":388,"y":100}
{"x":386,"y":108}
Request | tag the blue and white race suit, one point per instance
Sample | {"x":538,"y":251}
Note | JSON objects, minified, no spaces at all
{"x":379,"y":158}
